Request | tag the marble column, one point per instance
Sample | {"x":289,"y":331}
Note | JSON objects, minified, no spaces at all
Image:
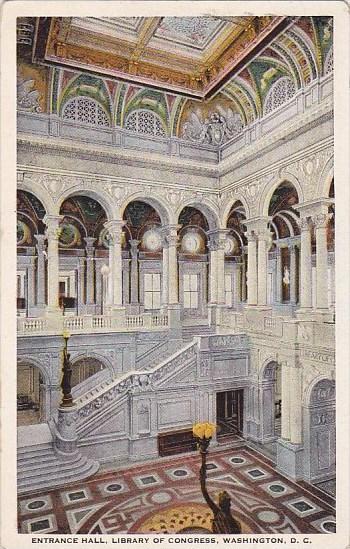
{"x":293,"y":274}
{"x":213,"y":265}
{"x":165,"y":274}
{"x":81,"y":293}
{"x":40,"y":271}
{"x":243,"y":294}
{"x":174,"y":308}
{"x":320,"y":222}
{"x":90,"y":275}
{"x":31,"y":286}
{"x":173,"y":280}
{"x":305,"y":265}
{"x":252,"y":274}
{"x":134,"y":273}
{"x":52,"y":234}
{"x":264,"y":237}
{"x":285,"y":419}
{"x":295,"y":403}
{"x":115,"y":229}
{"x":278,"y":275}
{"x":220,"y":268}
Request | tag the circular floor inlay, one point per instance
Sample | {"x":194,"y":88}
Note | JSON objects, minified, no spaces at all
{"x":114,"y":487}
{"x":237,"y":460}
{"x":329,"y":526}
{"x":268,"y":516}
{"x":38,"y":504}
{"x":180,"y":473}
{"x":161,"y":497}
{"x":277,"y":488}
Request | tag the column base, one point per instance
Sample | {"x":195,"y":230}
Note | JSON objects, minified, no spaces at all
{"x":215,"y":313}
{"x":174,"y":321}
{"x":134,"y":308}
{"x":290,"y":459}
{"x":118,"y":315}
{"x":66,"y":436}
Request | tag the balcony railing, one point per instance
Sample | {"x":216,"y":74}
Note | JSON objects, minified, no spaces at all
{"x":91,"y":323}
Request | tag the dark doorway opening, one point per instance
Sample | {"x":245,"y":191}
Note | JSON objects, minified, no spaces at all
{"x":229,"y":413}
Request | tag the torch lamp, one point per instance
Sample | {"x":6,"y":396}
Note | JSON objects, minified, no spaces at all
{"x":67,"y":399}
{"x":203,"y":433}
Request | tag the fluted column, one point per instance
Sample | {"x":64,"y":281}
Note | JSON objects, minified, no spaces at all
{"x":40,"y":271}
{"x":305,"y":264}
{"x":52,"y":234}
{"x":252,"y":274}
{"x":90,"y":274}
{"x":320,"y":222}
{"x":115,"y":229}
{"x":134,"y":272}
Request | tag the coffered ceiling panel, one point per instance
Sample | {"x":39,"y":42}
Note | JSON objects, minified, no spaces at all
{"x":192,"y":56}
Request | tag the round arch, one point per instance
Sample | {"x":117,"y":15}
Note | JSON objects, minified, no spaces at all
{"x":206,"y":207}
{"x":270,"y":188}
{"x":102,"y":198}
{"x":165,"y":214}
{"x":41,"y":194}
{"x":30,"y":361}
{"x":77,"y":356}
{"x":311,"y":386}
{"x":227,"y":209}
{"x":326,"y":178}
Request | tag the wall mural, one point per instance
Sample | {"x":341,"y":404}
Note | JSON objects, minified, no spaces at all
{"x":32,"y":88}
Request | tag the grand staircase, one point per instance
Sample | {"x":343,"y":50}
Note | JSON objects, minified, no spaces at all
{"x":39,"y":466}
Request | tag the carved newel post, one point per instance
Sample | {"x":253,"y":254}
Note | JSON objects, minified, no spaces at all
{"x":66,"y":435}
{"x":223,"y":521}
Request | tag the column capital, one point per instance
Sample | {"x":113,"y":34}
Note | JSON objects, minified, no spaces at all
{"x":89,"y":241}
{"x":40,"y":238}
{"x":52,"y":223}
{"x":115,"y":230}
{"x":320,"y":220}
{"x":133,"y":247}
{"x":170,"y":234}
{"x":217,"y":239}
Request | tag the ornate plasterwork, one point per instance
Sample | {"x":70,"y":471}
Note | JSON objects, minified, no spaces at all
{"x":27,"y":95}
{"x":219,"y":128}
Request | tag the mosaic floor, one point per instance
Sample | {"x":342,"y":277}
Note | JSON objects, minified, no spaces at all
{"x":163,"y":496}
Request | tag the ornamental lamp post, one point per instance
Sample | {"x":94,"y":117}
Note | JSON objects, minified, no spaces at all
{"x":223,"y":522}
{"x":67,"y":399}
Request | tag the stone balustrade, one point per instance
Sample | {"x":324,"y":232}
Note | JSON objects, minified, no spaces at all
{"x":90,"y":323}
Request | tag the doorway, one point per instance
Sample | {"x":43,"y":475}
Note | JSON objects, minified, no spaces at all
{"x":229,"y":413}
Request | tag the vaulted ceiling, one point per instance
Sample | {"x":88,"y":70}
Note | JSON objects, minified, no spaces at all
{"x":77,"y":57}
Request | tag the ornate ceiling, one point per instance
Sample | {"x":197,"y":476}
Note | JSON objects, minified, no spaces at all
{"x":192,"y":56}
{"x":60,"y":73}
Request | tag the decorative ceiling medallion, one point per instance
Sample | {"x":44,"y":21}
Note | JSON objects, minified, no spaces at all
{"x":23,"y":233}
{"x":69,"y":235}
{"x":192,"y":31}
{"x":192,"y":243}
{"x":152,"y":241}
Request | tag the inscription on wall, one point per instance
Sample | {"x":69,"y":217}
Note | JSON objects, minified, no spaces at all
{"x":230,"y":368}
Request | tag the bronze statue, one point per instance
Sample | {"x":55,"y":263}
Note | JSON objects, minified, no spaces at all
{"x":67,"y":399}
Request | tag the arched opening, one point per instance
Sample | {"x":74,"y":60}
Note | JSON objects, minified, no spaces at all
{"x":236,"y":257}
{"x":320,"y":427}
{"x":30,"y":260}
{"x":83,"y":250}
{"x":86,"y":368}
{"x":142,"y":264}
{"x":193,"y":262}
{"x":283,"y":265}
{"x":271,"y":405}
{"x":31,"y":392}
